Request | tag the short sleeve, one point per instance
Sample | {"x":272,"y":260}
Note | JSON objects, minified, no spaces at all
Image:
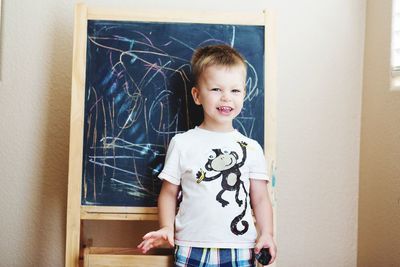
{"x":258,"y":165}
{"x":171,"y":171}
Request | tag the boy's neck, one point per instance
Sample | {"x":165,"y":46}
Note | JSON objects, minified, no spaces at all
{"x":216,"y":128}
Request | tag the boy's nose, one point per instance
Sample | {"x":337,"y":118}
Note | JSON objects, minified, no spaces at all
{"x":225,"y":97}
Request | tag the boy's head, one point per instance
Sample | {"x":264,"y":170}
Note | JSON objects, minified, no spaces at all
{"x":220,"y":79}
{"x":216,"y":55}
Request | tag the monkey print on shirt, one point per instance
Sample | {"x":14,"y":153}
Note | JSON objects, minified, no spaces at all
{"x":227,"y":164}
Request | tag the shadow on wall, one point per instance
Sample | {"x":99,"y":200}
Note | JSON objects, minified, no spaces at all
{"x":51,"y":202}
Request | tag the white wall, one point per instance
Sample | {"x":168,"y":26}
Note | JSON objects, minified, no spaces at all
{"x":320,"y":52}
{"x":379,"y":224}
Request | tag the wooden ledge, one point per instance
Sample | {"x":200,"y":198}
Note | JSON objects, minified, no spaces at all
{"x":127,"y":257}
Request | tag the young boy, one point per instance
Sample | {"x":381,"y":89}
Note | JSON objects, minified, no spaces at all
{"x":220,"y":172}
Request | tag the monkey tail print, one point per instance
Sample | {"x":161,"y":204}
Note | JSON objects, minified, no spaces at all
{"x":226,"y":164}
{"x":237,"y":219}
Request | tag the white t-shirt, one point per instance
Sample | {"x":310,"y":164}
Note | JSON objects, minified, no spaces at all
{"x":213,"y":169}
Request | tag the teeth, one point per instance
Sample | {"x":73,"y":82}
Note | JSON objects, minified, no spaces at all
{"x":225,"y":108}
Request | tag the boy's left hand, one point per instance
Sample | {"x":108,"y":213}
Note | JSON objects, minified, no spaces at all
{"x":266,"y":241}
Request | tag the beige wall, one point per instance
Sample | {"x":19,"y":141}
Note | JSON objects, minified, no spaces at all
{"x":320,"y":54}
{"x":379,"y":212}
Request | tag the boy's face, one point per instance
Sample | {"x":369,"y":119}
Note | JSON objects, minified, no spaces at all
{"x":221,"y":92}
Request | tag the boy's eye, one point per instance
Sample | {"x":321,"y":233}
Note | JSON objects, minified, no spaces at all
{"x":215,"y":89}
{"x":235,"y":90}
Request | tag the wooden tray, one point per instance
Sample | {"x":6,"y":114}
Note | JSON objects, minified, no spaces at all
{"x":126,"y":257}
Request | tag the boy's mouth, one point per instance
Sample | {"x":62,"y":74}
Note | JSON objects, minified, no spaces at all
{"x":224,"y":109}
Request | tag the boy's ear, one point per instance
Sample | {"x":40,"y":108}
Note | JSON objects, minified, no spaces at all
{"x":195,"y":95}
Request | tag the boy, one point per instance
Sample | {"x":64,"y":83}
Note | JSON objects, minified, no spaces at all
{"x":220,"y":172}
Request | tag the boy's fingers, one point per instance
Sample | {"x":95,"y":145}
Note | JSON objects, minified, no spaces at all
{"x":258,"y":247}
{"x":273,"y":254}
{"x":156,"y":234}
{"x":148,"y":244}
{"x":148,"y":235}
{"x":165,"y":236}
{"x":171,"y":240}
{"x":143,"y":245}
{"x":142,"y":248}
{"x":155,"y":239}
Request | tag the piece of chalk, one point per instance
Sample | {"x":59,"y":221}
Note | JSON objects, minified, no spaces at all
{"x":263,"y":256}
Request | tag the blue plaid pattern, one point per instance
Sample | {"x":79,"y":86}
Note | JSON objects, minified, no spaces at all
{"x":213,"y":257}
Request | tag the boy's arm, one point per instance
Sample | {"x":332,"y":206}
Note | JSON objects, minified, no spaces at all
{"x":262,"y":208}
{"x":166,"y":214}
{"x":167,"y":205}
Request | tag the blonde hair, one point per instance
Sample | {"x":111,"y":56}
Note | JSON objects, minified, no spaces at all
{"x":211,"y":55}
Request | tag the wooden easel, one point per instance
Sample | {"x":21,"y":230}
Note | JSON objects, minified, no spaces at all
{"x":76,"y":212}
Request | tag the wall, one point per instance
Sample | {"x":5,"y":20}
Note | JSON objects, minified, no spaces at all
{"x":379,"y":212}
{"x":320,"y":52}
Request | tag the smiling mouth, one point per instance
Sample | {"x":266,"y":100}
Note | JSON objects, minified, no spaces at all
{"x":225,"y":109}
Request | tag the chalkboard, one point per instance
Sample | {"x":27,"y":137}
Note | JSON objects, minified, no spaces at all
{"x":137,"y":97}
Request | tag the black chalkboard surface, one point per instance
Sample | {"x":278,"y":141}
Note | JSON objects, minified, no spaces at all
{"x":137,"y":97}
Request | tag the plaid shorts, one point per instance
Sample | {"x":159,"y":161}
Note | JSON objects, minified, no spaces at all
{"x":213,"y":257}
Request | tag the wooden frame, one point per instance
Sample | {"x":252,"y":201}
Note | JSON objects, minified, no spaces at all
{"x":125,"y":257}
{"x":76,"y":213}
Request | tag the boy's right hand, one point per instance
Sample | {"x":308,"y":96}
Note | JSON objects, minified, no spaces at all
{"x":164,"y":236}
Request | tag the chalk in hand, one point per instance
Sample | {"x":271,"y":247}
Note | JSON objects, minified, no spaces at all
{"x":263,"y":257}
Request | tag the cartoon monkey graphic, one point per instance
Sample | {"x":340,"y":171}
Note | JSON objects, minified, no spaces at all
{"x":227,"y":165}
